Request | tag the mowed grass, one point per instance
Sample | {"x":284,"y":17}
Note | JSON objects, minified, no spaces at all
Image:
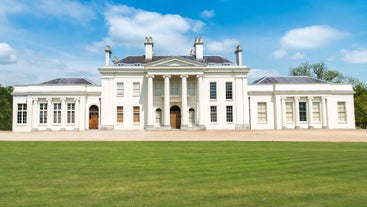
{"x":183,"y":174}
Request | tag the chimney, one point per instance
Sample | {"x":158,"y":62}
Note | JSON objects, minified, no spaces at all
{"x":238,"y":55}
{"x":148,"y":43}
{"x":199,"y":48}
{"x":108,"y":55}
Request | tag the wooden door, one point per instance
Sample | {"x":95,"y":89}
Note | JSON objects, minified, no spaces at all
{"x":93,"y":121}
{"x":175,"y":119}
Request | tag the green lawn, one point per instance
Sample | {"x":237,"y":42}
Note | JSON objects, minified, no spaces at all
{"x":183,"y":174}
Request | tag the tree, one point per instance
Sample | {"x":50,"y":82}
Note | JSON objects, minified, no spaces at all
{"x":6,"y":103}
{"x":320,"y":71}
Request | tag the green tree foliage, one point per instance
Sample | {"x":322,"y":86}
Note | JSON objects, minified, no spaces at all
{"x":6,"y":103}
{"x":321,"y":71}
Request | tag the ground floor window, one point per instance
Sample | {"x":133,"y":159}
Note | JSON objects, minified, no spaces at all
{"x":289,"y":111}
{"x":342,"y":117}
{"x":262,"y":115}
{"x":57,"y":113}
{"x":120,"y":114}
{"x":22,"y":114}
{"x":71,"y":113}
{"x":316,"y":111}
{"x":136,"y":111}
{"x":158,"y":116}
{"x":191,"y":116}
{"x":302,"y":111}
{"x":43,"y":113}
{"x":229,"y":114}
{"x":213,"y":114}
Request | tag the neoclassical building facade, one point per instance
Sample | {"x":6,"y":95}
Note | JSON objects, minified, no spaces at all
{"x":193,"y":92}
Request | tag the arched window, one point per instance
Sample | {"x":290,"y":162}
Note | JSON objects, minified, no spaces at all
{"x":158,"y":117}
{"x":192,"y":117}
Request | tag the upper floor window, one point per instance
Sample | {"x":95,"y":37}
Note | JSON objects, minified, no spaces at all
{"x":213,"y":90}
{"x":22,"y":114}
{"x":229,"y":93}
{"x":158,"y":88}
{"x":120,"y":88}
{"x":302,"y":111}
{"x":191,"y":88}
{"x":174,"y":88}
{"x":136,"y":88}
{"x":342,"y":116}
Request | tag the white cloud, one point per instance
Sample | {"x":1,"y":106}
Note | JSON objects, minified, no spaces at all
{"x":207,"y":14}
{"x":354,"y":56}
{"x":128,"y":26}
{"x":297,"y":56}
{"x":311,"y":37}
{"x":7,"y":54}
{"x":280,"y":53}
{"x":216,"y":46}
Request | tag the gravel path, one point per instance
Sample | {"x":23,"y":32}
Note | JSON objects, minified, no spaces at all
{"x":308,"y":135}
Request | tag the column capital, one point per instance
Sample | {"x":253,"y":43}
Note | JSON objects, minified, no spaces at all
{"x":149,"y":76}
{"x":296,"y":98}
{"x":77,"y":99}
{"x":34,"y":99}
{"x":310,"y":98}
{"x":283,"y":98}
{"x":184,"y":76}
{"x":166,"y":76}
{"x":324,"y":97}
{"x":200,"y":76}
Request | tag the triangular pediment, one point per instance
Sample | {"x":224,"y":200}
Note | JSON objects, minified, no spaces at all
{"x":175,"y":62}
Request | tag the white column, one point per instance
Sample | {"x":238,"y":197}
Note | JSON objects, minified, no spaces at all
{"x":150,"y":103}
{"x":296,"y":105}
{"x":200,"y":105}
{"x":185,"y":111}
{"x":77,"y":114}
{"x":49,"y":113}
{"x":310,"y":112}
{"x":283,"y":111}
{"x":166,"y":101}
{"x":324,"y":113}
{"x":35,"y":114}
{"x":63,"y":113}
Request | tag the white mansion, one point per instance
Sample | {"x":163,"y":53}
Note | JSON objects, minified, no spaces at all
{"x":181,"y":92}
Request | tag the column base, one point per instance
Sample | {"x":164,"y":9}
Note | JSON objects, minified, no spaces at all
{"x":149,"y":127}
{"x":284,"y":127}
{"x":201,"y":126}
{"x":48,"y":129}
{"x":311,"y":127}
{"x":297,"y":127}
{"x":76,"y":129}
{"x":62,"y":129}
{"x":325,"y":127}
{"x":107,"y":127}
{"x":34,"y":129}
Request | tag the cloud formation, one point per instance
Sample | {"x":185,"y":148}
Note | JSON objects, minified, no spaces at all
{"x":222,"y":46}
{"x":7,"y":54}
{"x":306,"y":38}
{"x":207,"y":14}
{"x":354,"y":56}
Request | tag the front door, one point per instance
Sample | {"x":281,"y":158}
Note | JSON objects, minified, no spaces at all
{"x":93,"y":117}
{"x":175,"y":117}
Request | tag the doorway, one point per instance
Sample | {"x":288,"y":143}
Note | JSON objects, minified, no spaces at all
{"x":93,"y":117}
{"x":175,"y":117}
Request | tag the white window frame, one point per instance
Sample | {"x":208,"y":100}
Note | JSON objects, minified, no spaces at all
{"x":120,"y":89}
{"x":22,"y":113}
{"x":342,"y":112}
{"x":70,"y":117}
{"x":262,"y":113}
{"x":136,"y":88}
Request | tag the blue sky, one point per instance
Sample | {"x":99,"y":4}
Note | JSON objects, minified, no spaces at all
{"x":45,"y":39}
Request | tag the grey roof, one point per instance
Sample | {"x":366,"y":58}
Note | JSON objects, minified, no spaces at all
{"x":289,"y":80}
{"x":68,"y":81}
{"x":141,"y":59}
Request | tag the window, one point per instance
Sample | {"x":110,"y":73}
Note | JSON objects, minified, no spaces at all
{"x":191,"y":116}
{"x":191,"y":88}
{"x":316,"y":111}
{"x":43,"y":113}
{"x":213,"y":90}
{"x":70,"y":113}
{"x":262,"y":116}
{"x":289,"y":111}
{"x":341,"y":112}
{"x":213,"y":114}
{"x":158,"y":117}
{"x":120,"y":114}
{"x":228,"y":90}
{"x":22,"y":114}
{"x":229,"y":113}
{"x":136,"y":114}
{"x":302,"y":111}
{"x":136,"y":88}
{"x":174,"y":88}
{"x":57,"y":113}
{"x":158,"y":88}
{"x":120,"y":88}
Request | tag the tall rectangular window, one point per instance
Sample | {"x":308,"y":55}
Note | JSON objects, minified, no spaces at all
{"x":229,"y":92}
{"x":262,"y":115}
{"x":316,"y":111}
{"x":120,"y":114}
{"x":136,"y":88}
{"x":191,"y":88}
{"x":22,"y":114}
{"x":43,"y":113}
{"x":120,"y":88}
{"x":57,"y":113}
{"x":136,"y":114}
{"x":174,"y":88}
{"x":289,"y":111}
{"x":213,"y":90}
{"x":229,"y":113}
{"x":342,"y":116}
{"x":213,"y":114}
{"x":71,"y":113}
{"x":302,"y":111}
{"x":158,"y":88}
